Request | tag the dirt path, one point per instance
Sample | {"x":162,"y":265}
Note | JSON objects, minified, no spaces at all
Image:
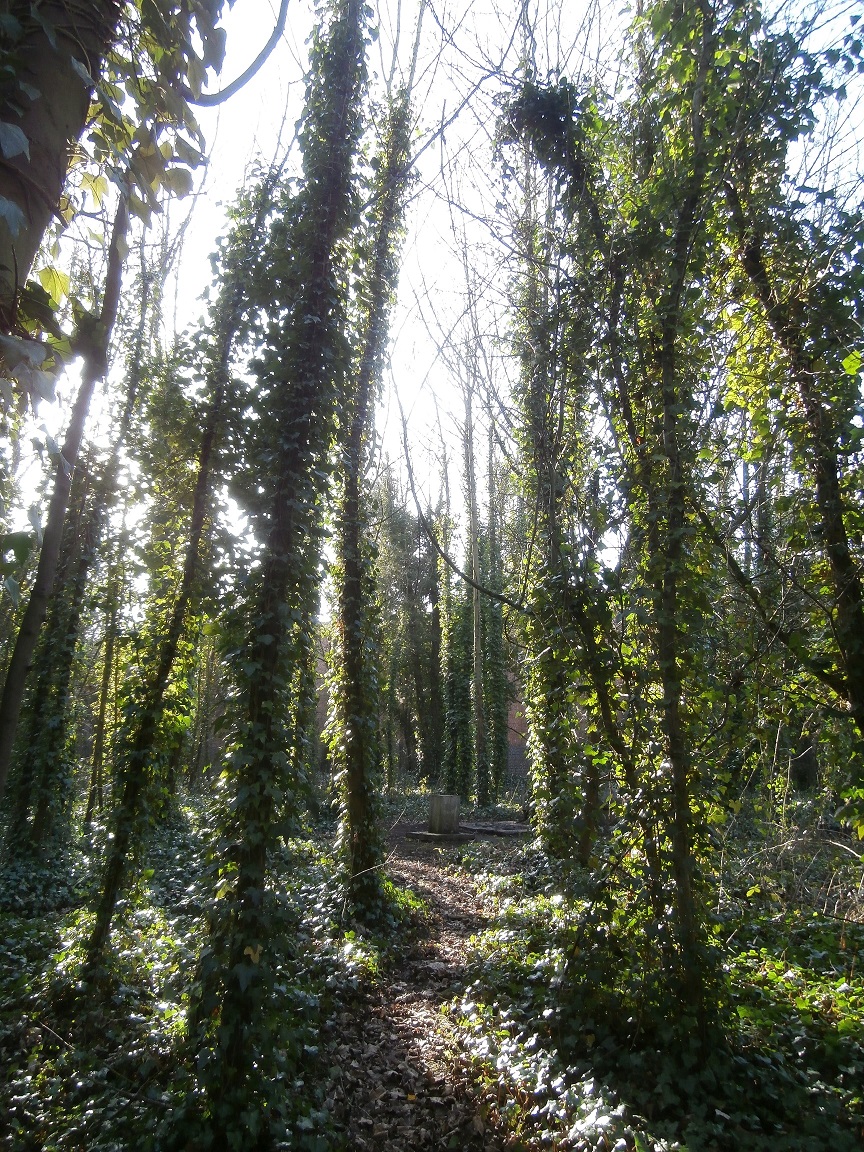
{"x":400,"y":1084}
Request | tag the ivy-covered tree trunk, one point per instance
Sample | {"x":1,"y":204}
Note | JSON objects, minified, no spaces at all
{"x":303,"y":367}
{"x":788,"y":324}
{"x":458,"y":733}
{"x":40,"y":749}
{"x":93,"y":345}
{"x":481,"y":761}
{"x":495,"y":681}
{"x":667,"y":501}
{"x":55,"y":767}
{"x":48,"y":757}
{"x":44,"y":111}
{"x":548,"y":684}
{"x":355,"y":738}
{"x":137,"y":748}
{"x":95,"y":791}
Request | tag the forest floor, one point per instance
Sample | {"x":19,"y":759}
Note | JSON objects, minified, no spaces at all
{"x":501,"y":1009}
{"x":401,"y":1082}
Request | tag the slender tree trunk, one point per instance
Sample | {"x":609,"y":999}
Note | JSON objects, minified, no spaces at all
{"x":95,"y":790}
{"x":824,"y":462}
{"x":137,"y":753}
{"x":95,"y":354}
{"x":357,"y":749}
{"x":481,"y":761}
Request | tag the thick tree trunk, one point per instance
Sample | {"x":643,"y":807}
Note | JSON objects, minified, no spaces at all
{"x":52,"y":113}
{"x":52,"y":786}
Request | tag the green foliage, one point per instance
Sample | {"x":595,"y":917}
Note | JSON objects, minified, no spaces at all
{"x":413,"y":610}
{"x":570,"y":1007}
{"x":107,"y":1066}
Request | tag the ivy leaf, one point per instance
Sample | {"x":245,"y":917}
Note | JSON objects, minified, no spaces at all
{"x":96,"y":184}
{"x":11,"y":586}
{"x":245,"y":974}
{"x":55,"y":283}
{"x":13,"y":142}
{"x":35,"y":518}
{"x":12,"y":214}
{"x":214,"y":47}
{"x":852,"y":363}
{"x":79,"y":68}
{"x":178,"y":180}
{"x":188,"y":153}
{"x":17,"y":351}
{"x":196,"y":74}
{"x":19,"y":543}
{"x":10,"y":26}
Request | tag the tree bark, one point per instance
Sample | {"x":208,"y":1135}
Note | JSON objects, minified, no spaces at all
{"x":824,"y":461}
{"x":481,"y":762}
{"x":54,"y":115}
{"x":359,"y":645}
{"x":95,"y":352}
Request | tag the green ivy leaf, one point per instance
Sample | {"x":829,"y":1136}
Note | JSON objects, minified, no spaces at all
{"x":13,"y":141}
{"x":852,"y":363}
{"x":12,"y":214}
{"x":178,"y":180}
{"x":55,"y":283}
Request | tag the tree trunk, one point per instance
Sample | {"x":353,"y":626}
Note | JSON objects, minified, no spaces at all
{"x":95,"y":790}
{"x":824,"y":461}
{"x":95,"y":352}
{"x":137,"y":753}
{"x":481,"y":761}
{"x":53,"y":117}
{"x":357,"y":750}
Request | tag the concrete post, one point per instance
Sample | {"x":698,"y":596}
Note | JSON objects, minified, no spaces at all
{"x":444,"y":814}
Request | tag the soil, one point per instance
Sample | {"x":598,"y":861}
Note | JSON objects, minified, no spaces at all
{"x":401,"y":1082}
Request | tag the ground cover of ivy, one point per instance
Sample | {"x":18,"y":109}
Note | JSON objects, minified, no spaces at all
{"x":572,"y":1028}
{"x":104,"y":1068}
{"x":571,"y":1033}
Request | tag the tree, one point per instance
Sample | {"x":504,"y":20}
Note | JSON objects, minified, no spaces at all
{"x":302,"y":370}
{"x":146,"y":708}
{"x":354,"y":733}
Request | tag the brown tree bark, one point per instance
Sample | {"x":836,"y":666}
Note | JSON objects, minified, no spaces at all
{"x":52,"y":114}
{"x":94,"y":347}
{"x":822,"y":439}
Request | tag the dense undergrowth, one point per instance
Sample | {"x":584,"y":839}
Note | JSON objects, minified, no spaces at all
{"x":573,"y":1036}
{"x":103,"y":1067}
{"x":574,"y":1026}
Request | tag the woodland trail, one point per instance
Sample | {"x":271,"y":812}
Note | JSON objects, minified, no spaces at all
{"x":401,"y":1084}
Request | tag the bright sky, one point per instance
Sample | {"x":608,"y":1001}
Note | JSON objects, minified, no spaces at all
{"x":461,"y":46}
{"x":449,"y":246}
